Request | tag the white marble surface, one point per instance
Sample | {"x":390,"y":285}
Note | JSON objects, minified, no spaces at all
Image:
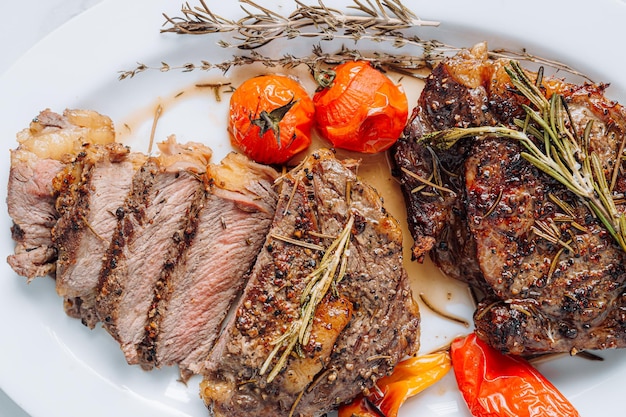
{"x":24,"y":24}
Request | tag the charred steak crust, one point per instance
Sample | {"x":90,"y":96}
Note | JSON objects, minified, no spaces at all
{"x":182,"y":240}
{"x":385,"y":321}
{"x":156,"y":248}
{"x":360,"y":331}
{"x":539,"y":296}
{"x":147,"y":231}
{"x":90,"y":191}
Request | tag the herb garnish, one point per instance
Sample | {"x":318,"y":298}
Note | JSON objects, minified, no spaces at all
{"x":565,"y":156}
{"x":261,"y":25}
{"x":325,"y":277}
{"x":380,"y":21}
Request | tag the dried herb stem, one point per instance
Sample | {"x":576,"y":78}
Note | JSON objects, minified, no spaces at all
{"x":260,"y":25}
{"x":297,"y":242}
{"x":550,"y":232}
{"x":427,"y":181}
{"x":524,"y":55}
{"x":317,"y":58}
{"x":379,"y":21}
{"x":319,"y":281}
{"x":555,"y":260}
{"x":330,"y":271}
{"x":157,"y":115}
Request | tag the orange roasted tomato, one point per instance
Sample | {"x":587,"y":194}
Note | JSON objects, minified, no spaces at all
{"x":270,"y":118}
{"x":361,"y":109}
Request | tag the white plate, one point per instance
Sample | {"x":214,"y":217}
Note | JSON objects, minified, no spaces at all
{"x":53,"y":366}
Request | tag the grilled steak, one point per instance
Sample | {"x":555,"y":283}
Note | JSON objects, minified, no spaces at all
{"x":150,"y":225}
{"x":158,"y":248}
{"x":361,"y":324}
{"x":552,"y":277}
{"x":45,"y":147}
{"x":223,"y":235}
{"x":91,"y":189}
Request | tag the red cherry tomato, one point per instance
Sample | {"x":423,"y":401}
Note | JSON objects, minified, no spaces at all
{"x":270,"y":118}
{"x":498,"y":385}
{"x":361,"y":110}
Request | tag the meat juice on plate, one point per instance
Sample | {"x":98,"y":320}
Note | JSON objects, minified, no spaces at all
{"x":168,"y":115}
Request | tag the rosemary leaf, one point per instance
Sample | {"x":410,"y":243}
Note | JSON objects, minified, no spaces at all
{"x":330,"y":270}
{"x":565,"y":156}
{"x":427,"y":182}
{"x":260,"y":25}
{"x":382,"y":21}
{"x":297,"y":242}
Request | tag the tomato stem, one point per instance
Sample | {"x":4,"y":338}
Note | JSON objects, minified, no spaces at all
{"x":271,"y":120}
{"x":324,"y":78}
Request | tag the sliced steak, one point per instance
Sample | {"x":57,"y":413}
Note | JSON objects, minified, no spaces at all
{"x":490,"y":222}
{"x":222,"y":238}
{"x":94,"y":187}
{"x":150,"y":225}
{"x":45,"y":147}
{"x":365,"y":322}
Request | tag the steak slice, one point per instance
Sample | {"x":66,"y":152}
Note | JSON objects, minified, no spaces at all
{"x":222,"y":238}
{"x":93,"y":188}
{"x":363,"y":325}
{"x":549,"y":297}
{"x":44,"y":148}
{"x":150,"y":225}
{"x":504,"y":226}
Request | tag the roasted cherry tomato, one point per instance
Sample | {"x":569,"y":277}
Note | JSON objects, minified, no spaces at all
{"x":270,"y":118}
{"x":498,"y":385}
{"x":409,"y":377}
{"x":361,"y":109}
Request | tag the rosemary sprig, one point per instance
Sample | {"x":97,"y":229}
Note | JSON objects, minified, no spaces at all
{"x":428,"y":182}
{"x":316,"y":59}
{"x":330,"y":271}
{"x":260,"y":25}
{"x":381,"y":21}
{"x":550,"y":232}
{"x":297,"y":242}
{"x":433,"y":52}
{"x":565,"y":156}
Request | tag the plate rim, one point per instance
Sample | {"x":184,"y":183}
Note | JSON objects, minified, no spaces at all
{"x":11,"y":81}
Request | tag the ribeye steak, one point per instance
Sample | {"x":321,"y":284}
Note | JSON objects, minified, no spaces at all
{"x":502,"y":225}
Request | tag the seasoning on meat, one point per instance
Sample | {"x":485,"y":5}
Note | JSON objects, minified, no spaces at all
{"x":551,"y":275}
{"x":365,"y":323}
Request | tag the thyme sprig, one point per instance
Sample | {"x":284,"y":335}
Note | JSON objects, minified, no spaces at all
{"x":325,"y":277}
{"x":564,"y":156}
{"x":380,"y":21}
{"x":433,"y":52}
{"x":260,"y":25}
{"x":316,"y":59}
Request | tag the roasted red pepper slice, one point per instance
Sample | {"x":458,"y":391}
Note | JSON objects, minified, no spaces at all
{"x":409,"y":377}
{"x":498,"y":385}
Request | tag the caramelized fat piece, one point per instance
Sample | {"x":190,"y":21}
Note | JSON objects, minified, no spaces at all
{"x":44,"y":148}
